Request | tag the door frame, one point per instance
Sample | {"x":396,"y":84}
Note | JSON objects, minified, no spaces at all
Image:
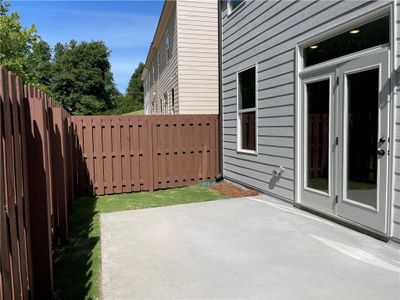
{"x":386,"y":9}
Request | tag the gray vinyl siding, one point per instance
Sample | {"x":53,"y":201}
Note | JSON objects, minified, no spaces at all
{"x":266,"y":33}
{"x":396,"y":179}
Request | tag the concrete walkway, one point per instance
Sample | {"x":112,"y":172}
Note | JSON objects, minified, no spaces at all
{"x":241,"y":249}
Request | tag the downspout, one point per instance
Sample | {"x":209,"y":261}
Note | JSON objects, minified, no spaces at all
{"x":220,"y":110}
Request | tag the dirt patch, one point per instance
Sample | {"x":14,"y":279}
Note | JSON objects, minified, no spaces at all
{"x":231,"y":190}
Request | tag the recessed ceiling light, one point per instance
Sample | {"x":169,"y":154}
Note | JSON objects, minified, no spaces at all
{"x":354,"y":31}
{"x":314,"y":47}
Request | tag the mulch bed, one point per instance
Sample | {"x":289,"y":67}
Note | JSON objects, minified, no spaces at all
{"x":231,"y":190}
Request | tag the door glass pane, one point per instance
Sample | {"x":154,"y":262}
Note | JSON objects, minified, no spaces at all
{"x":318,"y":135}
{"x":362,"y":137}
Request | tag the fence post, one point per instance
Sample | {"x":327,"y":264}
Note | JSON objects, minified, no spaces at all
{"x":149,"y":124}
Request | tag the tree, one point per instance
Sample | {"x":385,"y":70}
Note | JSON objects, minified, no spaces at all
{"x":82,"y":80}
{"x":134,"y":97}
{"x":16,"y":42}
{"x":4,"y":7}
{"x":135,"y":88}
{"x":39,"y":64}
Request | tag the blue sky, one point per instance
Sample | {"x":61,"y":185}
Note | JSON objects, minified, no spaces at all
{"x":127,"y":27}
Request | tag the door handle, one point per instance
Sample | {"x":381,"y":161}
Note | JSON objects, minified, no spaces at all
{"x":380,"y":152}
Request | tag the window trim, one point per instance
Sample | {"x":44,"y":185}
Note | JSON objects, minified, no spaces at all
{"x":167,"y":47}
{"x":239,"y":148}
{"x":158,"y":63}
{"x":173,"y":101}
{"x":231,"y":11}
{"x":358,"y":21}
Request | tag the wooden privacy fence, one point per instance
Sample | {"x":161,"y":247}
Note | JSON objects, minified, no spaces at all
{"x":119,"y":154}
{"x":36,"y":187}
{"x":48,"y":158}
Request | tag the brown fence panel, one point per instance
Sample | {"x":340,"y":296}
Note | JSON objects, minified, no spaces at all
{"x":37,"y":181}
{"x":48,"y":157}
{"x":118,"y":154}
{"x":15,"y":262}
{"x":39,"y":195}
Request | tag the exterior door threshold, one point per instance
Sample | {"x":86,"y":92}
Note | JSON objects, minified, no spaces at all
{"x":346,"y":223}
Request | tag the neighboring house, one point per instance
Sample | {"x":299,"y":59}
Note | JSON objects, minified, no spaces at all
{"x":181,"y":70}
{"x":311,"y":106}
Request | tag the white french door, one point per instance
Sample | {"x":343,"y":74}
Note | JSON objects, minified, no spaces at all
{"x":363,"y":160}
{"x":345,"y":140}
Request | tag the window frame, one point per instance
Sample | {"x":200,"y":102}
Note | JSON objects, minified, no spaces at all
{"x":158,"y":63}
{"x":167,"y":47}
{"x":230,"y":10}
{"x":173,"y":101}
{"x":239,"y":147}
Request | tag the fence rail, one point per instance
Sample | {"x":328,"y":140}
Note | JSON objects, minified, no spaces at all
{"x":48,"y":158}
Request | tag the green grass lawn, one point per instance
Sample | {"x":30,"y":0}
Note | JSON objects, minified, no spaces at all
{"x":136,"y":113}
{"x":78,"y":265}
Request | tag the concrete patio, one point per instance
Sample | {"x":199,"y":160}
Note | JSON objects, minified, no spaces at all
{"x":241,"y":248}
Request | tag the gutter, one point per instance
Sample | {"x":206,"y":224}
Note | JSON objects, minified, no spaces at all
{"x":220,"y":98}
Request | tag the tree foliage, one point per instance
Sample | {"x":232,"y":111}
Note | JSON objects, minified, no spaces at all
{"x":82,"y":80}
{"x":135,"y":87}
{"x":134,"y":97}
{"x":16,"y":43}
{"x":78,"y":75}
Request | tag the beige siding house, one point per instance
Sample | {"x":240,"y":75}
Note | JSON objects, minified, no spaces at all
{"x":181,"y":70}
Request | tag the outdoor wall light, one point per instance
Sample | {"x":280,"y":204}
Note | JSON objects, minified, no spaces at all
{"x":354,"y":31}
{"x":314,"y":47}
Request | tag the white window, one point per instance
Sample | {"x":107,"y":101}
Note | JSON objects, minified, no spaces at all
{"x":233,"y":4}
{"x":158,"y":63}
{"x":247,"y":110}
{"x":167,"y":48}
{"x":154,"y":73}
{"x":173,"y":101}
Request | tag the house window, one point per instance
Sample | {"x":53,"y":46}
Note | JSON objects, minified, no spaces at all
{"x":173,"y":101}
{"x":158,"y":64}
{"x":247,"y":114}
{"x":233,"y":4}
{"x":165,"y":103}
{"x":167,"y":48}
{"x":154,"y":73}
{"x":161,"y":106}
